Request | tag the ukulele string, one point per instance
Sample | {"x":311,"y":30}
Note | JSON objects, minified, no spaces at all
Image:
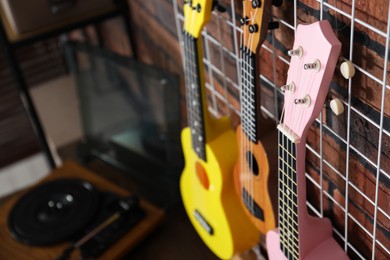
{"x":248,"y":125}
{"x":286,"y":170}
{"x":282,"y":198}
{"x":311,"y":79}
{"x":280,"y":205}
{"x":252,"y":87}
{"x":243,"y":115}
{"x":307,"y":83}
{"x":242,"y":71}
{"x":188,"y":80}
{"x":286,"y":238}
{"x":245,"y":125}
{"x":249,"y":141}
{"x":192,"y":87}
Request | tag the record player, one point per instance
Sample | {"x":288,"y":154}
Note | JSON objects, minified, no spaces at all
{"x":73,"y":214}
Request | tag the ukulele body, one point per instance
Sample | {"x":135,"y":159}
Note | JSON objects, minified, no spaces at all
{"x":328,"y":249}
{"x":251,"y":179}
{"x":315,"y":234}
{"x":208,"y":194}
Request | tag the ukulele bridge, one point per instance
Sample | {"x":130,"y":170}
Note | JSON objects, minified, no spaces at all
{"x":252,"y":206}
{"x":203,"y":222}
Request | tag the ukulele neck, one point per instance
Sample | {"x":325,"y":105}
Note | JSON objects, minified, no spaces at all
{"x":248,"y":97}
{"x":196,"y":105}
{"x":288,"y":192}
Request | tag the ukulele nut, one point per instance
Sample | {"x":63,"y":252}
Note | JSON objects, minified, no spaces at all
{"x":303,"y":101}
{"x":296,"y":52}
{"x":316,"y":65}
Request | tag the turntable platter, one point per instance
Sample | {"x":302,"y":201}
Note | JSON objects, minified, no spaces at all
{"x":53,"y":212}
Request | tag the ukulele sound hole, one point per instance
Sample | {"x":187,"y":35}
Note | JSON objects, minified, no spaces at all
{"x":252,"y":163}
{"x":202,"y":175}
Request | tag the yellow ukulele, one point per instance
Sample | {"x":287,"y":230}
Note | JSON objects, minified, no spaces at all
{"x":210,"y":151}
{"x":252,"y":169}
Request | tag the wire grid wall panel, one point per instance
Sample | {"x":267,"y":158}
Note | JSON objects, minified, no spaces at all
{"x":348,"y":156}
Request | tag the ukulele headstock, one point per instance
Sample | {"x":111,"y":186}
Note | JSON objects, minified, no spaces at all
{"x":254,"y":22}
{"x":196,"y":14}
{"x":313,"y":61}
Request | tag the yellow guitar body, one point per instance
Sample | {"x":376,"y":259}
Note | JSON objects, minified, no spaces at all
{"x":218,"y":203}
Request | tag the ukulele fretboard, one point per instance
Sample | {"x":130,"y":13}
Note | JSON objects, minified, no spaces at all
{"x":248,"y":94}
{"x":194,"y":95}
{"x":288,"y":204}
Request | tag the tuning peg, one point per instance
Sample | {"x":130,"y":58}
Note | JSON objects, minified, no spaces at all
{"x":296,"y":52}
{"x":220,"y":8}
{"x":316,"y":65}
{"x":347,"y":69}
{"x":303,"y":101}
{"x":197,"y":7}
{"x":256,"y":4}
{"x":253,"y":28}
{"x":336,"y":106}
{"x":288,"y":87}
{"x":244,"y":20}
{"x":277,"y":3}
{"x":273,"y":25}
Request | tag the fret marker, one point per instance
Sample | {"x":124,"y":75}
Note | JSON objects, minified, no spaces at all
{"x":200,"y":139}
{"x":288,"y":192}
{"x":296,"y":52}
{"x":303,"y":101}
{"x":193,"y":86}
{"x":288,"y":212}
{"x":197,"y":149}
{"x":196,"y":123}
{"x":193,"y":131}
{"x":288,"y":87}
{"x":316,"y":65}
{"x":194,"y":103}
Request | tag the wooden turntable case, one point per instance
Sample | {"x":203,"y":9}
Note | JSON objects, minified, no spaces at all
{"x":12,"y":249}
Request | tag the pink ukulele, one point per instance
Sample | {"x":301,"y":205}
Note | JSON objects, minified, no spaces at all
{"x":301,"y":236}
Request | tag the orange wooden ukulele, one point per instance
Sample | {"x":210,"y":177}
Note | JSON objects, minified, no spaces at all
{"x":252,"y":168}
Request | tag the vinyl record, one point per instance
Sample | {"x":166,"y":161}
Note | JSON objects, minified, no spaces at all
{"x":53,"y":212}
